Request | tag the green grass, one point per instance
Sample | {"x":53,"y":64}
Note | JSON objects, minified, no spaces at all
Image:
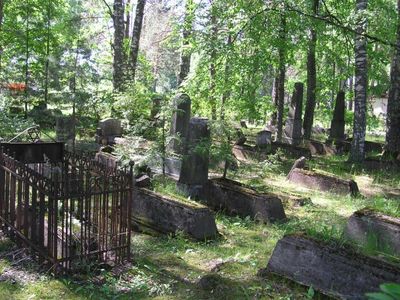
{"x":169,"y":267}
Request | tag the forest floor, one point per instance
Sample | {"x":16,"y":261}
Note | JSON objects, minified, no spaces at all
{"x":170,"y":267}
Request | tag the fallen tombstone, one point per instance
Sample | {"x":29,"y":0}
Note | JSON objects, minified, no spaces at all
{"x":371,"y":163}
{"x":106,"y":159}
{"x":291,"y":149}
{"x":236,"y":199}
{"x":322,"y":182}
{"x":335,"y":271}
{"x":246,"y":152}
{"x":167,"y":215}
{"x":319,"y":148}
{"x":367,"y":226}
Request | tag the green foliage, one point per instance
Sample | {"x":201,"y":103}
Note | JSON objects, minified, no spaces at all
{"x":389,"y":291}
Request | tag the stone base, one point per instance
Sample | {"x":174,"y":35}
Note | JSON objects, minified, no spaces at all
{"x":236,"y":199}
{"x":323,"y":182}
{"x":337,"y":272}
{"x":367,"y":226}
{"x":167,"y":215}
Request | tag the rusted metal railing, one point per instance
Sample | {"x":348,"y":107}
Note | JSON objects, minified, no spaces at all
{"x":72,"y":210}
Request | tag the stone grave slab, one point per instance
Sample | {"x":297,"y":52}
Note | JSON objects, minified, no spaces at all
{"x":322,"y":182}
{"x":368,"y":226}
{"x":167,"y":215}
{"x":236,"y":199}
{"x":337,"y":272}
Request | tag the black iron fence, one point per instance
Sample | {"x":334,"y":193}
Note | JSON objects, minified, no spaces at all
{"x":67,"y":211}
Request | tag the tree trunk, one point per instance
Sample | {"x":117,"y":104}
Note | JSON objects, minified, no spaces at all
{"x":361,"y":86}
{"x":187,"y":31}
{"x":118,"y":64}
{"x":227,"y":92}
{"x":213,"y":58}
{"x":137,"y":30}
{"x":351,"y":89}
{"x":46,"y":69}
{"x":1,"y":25}
{"x":280,"y":94}
{"x":128,"y":19}
{"x":393,"y":107}
{"x":311,"y":79}
{"x":26,"y":60}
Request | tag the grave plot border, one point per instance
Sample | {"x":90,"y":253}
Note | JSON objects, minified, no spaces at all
{"x":67,"y":211}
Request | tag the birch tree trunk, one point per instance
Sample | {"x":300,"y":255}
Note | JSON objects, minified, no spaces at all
{"x":393,"y":107}
{"x":137,"y":30}
{"x":187,"y":32}
{"x":280,"y":93}
{"x":360,"y":85}
{"x":311,"y":79}
{"x":118,"y":63}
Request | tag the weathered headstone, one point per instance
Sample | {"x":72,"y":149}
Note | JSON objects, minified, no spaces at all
{"x":368,"y":227}
{"x":180,"y":122}
{"x":236,"y":199}
{"x":298,"y":164}
{"x":264,"y":139}
{"x":293,"y":127}
{"x":338,"y":272}
{"x":64,"y":128}
{"x":156,"y":107}
{"x":338,"y":123}
{"x":323,"y":182}
{"x":194,"y":170}
{"x":167,"y":215}
{"x":240,"y":137}
{"x":108,"y":130}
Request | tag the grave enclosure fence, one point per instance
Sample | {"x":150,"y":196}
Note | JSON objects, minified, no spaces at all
{"x":71,"y":211}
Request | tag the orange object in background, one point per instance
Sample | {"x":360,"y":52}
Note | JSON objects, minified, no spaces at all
{"x":16,"y":86}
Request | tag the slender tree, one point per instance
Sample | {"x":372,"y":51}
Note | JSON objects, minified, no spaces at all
{"x":27,"y":53}
{"x":46,"y":69}
{"x":393,"y":107}
{"x":213,"y":58}
{"x":187,"y":32}
{"x":361,"y":84}
{"x":118,"y":45}
{"x":311,"y":78}
{"x":1,"y":27}
{"x":137,"y":29}
{"x":280,"y":92}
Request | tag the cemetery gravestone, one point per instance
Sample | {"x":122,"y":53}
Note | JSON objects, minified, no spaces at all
{"x":108,"y":130}
{"x":293,"y":128}
{"x":180,"y":122}
{"x":338,"y":123}
{"x":194,"y":170}
{"x":264,"y":139}
{"x":65,"y":128}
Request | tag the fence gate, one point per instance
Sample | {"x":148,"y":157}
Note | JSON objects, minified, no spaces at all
{"x":69,"y":208}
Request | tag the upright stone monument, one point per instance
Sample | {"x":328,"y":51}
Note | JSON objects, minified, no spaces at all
{"x":338,"y":123}
{"x":156,"y":107}
{"x":180,"y":122}
{"x":64,"y":128}
{"x":264,"y":139}
{"x":194,"y":170}
{"x":293,"y":127}
{"x":108,"y":130}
